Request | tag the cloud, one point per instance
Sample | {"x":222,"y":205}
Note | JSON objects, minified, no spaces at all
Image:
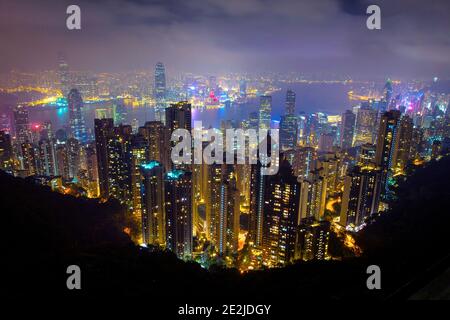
{"x":216,"y":35}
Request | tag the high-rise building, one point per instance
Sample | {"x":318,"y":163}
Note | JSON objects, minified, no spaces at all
{"x":21,"y":124}
{"x":387,"y":135}
{"x":281,"y":200}
{"x":312,"y":241}
{"x":104,"y":129}
{"x":288,"y":124}
{"x":92,"y":170}
{"x":366,"y":155}
{"x":73,"y":148}
{"x":119,"y":155}
{"x":160,"y":92}
{"x":313,"y":193}
{"x":302,"y":160}
{"x":76,"y":118}
{"x":265,"y":110}
{"x":47,"y":158}
{"x":366,"y":119}
{"x":120,"y":112}
{"x":62,"y":162}
{"x":152,"y":196}
{"x":402,"y":145}
{"x":361,"y":197}
{"x":178,"y":116}
{"x":229,"y":212}
{"x":29,"y":159}
{"x":178,"y":192}
{"x":257,"y":185}
{"x":156,"y":136}
{"x":5,"y":124}
{"x":347,"y":129}
{"x":6,"y":152}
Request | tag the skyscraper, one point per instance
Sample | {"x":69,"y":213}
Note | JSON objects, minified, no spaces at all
{"x":281,"y":199}
{"x":156,"y":136}
{"x":387,"y":135}
{"x":265,"y":110}
{"x":119,"y":155}
{"x":103,"y":131}
{"x":6,"y":153}
{"x":361,"y":196}
{"x":73,"y":156}
{"x":402,"y":145}
{"x":288,"y":124}
{"x":178,"y":192}
{"x":312,"y":241}
{"x":313,"y":195}
{"x":347,"y":129}
{"x":21,"y":124}
{"x":160,"y":91}
{"x":152,"y":195}
{"x":178,"y":116}
{"x":47,"y":158}
{"x":76,"y":118}
{"x":366,"y":119}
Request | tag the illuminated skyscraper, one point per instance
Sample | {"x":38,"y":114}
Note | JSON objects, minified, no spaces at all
{"x":366,"y":120}
{"x":387,"y":135}
{"x":120,"y":112}
{"x":73,"y":156}
{"x":76,"y":118}
{"x":6,"y":153}
{"x":302,"y":160}
{"x":288,"y":124}
{"x":361,"y":196}
{"x":257,"y":185}
{"x":178,"y":192}
{"x":47,"y":158}
{"x":62,"y":162}
{"x":312,"y":241}
{"x":366,"y":155}
{"x":281,"y":200}
{"x":139,"y":157}
{"x":119,"y":155}
{"x":156,"y":136}
{"x":347,"y":129}
{"x":21,"y":124}
{"x":178,"y":116}
{"x":213,"y":204}
{"x":160,"y":92}
{"x":313,"y":193}
{"x":228,"y":222}
{"x":29,"y":159}
{"x":5,"y":124}
{"x":402,"y":145}
{"x":265,"y":110}
{"x":152,"y":195}
{"x":103,"y":131}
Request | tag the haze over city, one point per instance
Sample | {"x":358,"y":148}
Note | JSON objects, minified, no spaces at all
{"x":326,"y":36}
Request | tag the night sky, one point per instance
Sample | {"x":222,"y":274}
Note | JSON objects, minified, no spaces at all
{"x":232,"y":35}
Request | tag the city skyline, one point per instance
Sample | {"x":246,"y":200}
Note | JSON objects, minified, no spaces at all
{"x":257,"y":149}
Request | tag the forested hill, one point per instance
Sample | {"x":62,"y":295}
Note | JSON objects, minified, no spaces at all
{"x":43,"y":232}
